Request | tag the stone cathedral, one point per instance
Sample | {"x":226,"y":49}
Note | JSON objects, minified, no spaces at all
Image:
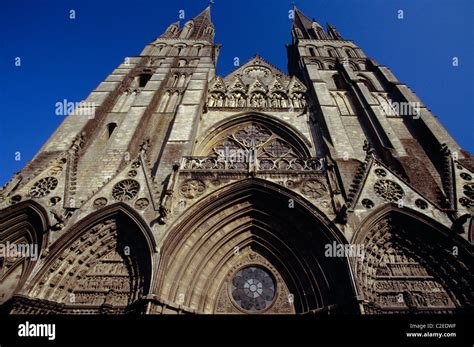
{"x":190,"y":192}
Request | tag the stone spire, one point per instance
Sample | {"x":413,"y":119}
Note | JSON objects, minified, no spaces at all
{"x":197,"y":28}
{"x":305,"y":28}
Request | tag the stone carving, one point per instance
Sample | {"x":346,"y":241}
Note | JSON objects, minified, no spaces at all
{"x":256,"y":100}
{"x":367,"y":203}
{"x":15,"y":199}
{"x":263,"y":164}
{"x":142,"y":203}
{"x":55,"y":170}
{"x":43,"y":187}
{"x":468,"y":190}
{"x":100,"y":202}
{"x":257,"y":85}
{"x":380,"y":172}
{"x":421,"y":204}
{"x":313,"y":189}
{"x":388,"y":190}
{"x":102,"y":266}
{"x":54,"y":200}
{"x":125,"y":190}
{"x":391,"y":275}
{"x":192,"y":188}
{"x":465,"y":176}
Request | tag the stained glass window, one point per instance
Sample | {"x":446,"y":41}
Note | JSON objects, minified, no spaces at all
{"x":253,"y":289}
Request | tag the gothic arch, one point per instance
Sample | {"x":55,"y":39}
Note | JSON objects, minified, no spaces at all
{"x":25,"y":223}
{"x":412,"y":264}
{"x":76,"y":273}
{"x":249,"y":224}
{"x":281,"y":128}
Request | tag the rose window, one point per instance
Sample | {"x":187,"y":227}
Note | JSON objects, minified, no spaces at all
{"x":253,"y":289}
{"x":388,"y":190}
{"x":43,"y":187}
{"x":125,"y":190}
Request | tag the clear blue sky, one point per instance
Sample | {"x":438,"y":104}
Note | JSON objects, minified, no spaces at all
{"x":66,"y":59}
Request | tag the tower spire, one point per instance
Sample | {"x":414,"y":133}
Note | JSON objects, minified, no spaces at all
{"x":306,"y":28}
{"x":197,"y":28}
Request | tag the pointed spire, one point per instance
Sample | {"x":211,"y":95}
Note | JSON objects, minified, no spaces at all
{"x":301,"y":23}
{"x":197,"y":28}
{"x":306,"y":28}
{"x":203,"y":27}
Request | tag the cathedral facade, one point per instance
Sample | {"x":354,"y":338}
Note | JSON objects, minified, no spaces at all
{"x":327,"y":189}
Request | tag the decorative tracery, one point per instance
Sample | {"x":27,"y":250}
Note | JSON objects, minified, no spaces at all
{"x":398,"y":272}
{"x":253,"y":137}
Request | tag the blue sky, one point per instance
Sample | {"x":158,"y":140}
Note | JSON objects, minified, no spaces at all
{"x":63,"y":58}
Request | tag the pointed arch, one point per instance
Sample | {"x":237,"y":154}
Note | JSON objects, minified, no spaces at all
{"x":76,"y":272}
{"x":283,"y":129}
{"x":367,"y":82}
{"x":24,"y":223}
{"x":249,"y":223}
{"x":412,"y":264}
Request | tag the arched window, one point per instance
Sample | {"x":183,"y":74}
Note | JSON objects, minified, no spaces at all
{"x":349,"y":53}
{"x":187,"y":30}
{"x":298,"y":33}
{"x":143,"y":79}
{"x":174,"y":81}
{"x":164,"y":101}
{"x":209,"y":31}
{"x":173,"y":102}
{"x":338,"y":82}
{"x":368,"y":83}
{"x":311,"y":51}
{"x":332,"y":52}
{"x":110,"y":129}
{"x":344,"y":104}
{"x":181,"y":80}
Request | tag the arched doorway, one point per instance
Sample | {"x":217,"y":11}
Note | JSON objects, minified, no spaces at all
{"x":105,"y":261}
{"x":23,"y":228}
{"x":412,"y":265}
{"x":253,"y":247}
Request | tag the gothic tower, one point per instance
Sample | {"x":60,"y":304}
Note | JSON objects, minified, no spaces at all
{"x":328,"y":189}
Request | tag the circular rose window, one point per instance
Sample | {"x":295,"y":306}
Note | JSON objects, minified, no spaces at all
{"x":253,"y":289}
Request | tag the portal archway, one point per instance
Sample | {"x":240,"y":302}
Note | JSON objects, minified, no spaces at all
{"x":23,"y":228}
{"x":105,"y":259}
{"x":412,"y":264}
{"x":253,"y":232}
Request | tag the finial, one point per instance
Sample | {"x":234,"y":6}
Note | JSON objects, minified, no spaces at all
{"x":367,"y":147}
